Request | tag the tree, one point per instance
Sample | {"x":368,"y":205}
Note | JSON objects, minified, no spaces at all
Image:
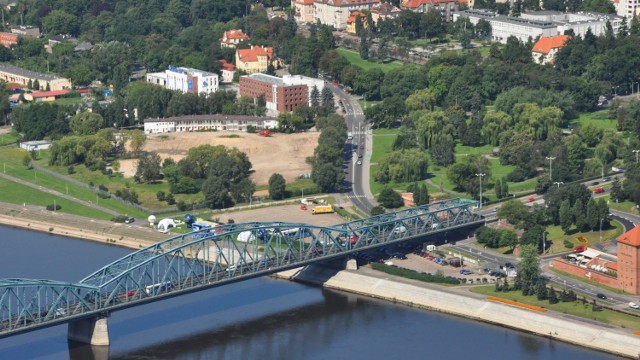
{"x":593,"y":217}
{"x":277,"y":186}
{"x":514,"y":212}
{"x":137,"y":139}
{"x":60,"y":22}
{"x":327,"y":97}
{"x":420,"y":193}
{"x":617,"y":193}
{"x":529,"y":266}
{"x":390,"y":198}
{"x":148,"y":169}
{"x":86,"y":123}
{"x":566,"y":216}
{"x":541,"y":289}
{"x":580,"y":217}
{"x":364,"y":48}
{"x":552,"y":296}
{"x":377,"y":210}
{"x":26,"y":161}
{"x":509,"y":239}
{"x":216,"y":193}
{"x":315,"y":97}
{"x":327,"y":176}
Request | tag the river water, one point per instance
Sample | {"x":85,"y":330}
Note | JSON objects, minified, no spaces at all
{"x":256,"y":319}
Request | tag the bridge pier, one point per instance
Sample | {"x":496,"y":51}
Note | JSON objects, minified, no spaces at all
{"x":352,"y":264}
{"x":92,"y":331}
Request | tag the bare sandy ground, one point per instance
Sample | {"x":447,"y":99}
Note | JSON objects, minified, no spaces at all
{"x":281,"y":153}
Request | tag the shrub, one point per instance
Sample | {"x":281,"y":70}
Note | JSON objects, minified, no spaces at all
{"x":71,"y":170}
{"x":170,"y":199}
{"x":160,"y":195}
{"x":568,"y":244}
{"x":52,"y":207}
{"x":410,"y":274}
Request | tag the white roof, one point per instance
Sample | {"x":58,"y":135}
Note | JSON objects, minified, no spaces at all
{"x":590,"y":253}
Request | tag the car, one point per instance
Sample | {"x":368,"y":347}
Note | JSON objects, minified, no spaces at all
{"x":359,"y":162}
{"x":579,"y":249}
{"x":595,"y":183}
{"x":598,"y":190}
{"x":129,"y":220}
{"x":606,"y":179}
{"x":531,"y":199}
{"x":601,"y":296}
{"x":509,"y":265}
{"x":634,"y":305}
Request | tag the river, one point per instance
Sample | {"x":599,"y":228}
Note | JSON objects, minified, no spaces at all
{"x":256,"y":319}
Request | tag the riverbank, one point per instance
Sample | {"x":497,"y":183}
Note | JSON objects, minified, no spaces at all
{"x":578,"y":331}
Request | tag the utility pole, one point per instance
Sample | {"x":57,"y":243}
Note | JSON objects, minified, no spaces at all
{"x":480,"y":175}
{"x":551,"y":158}
{"x":636,"y":151}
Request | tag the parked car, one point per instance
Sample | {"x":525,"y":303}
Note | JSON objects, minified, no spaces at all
{"x":579,"y":249}
{"x":634,"y":305}
{"x":509,"y":265}
{"x":531,"y":199}
{"x":601,"y":296}
{"x":129,"y":220}
{"x":598,"y":190}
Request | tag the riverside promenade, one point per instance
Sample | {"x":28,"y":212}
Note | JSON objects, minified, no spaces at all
{"x":459,"y":301}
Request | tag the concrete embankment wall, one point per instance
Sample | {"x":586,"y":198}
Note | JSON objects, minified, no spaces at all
{"x":553,"y":325}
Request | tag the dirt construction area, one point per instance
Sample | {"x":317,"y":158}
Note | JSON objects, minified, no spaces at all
{"x":287,"y":213}
{"x":281,"y":153}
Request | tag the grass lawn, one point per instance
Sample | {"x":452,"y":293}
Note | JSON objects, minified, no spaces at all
{"x":498,"y":170}
{"x":557,"y":237}
{"x":368,"y":103}
{"x":18,"y":194}
{"x":7,"y":139}
{"x":523,"y":186}
{"x":355,"y":59}
{"x":376,"y":186}
{"x":471,"y":150}
{"x":382,"y":143}
{"x":627,"y":206}
{"x":599,"y":118}
{"x":572,"y":308}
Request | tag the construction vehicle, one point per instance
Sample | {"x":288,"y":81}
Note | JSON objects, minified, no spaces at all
{"x":265,"y":132}
{"x":324,"y":209}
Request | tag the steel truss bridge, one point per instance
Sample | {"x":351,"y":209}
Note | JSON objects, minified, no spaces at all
{"x":214,"y":257}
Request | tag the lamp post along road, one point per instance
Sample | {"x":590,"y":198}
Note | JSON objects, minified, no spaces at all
{"x":551,"y":158}
{"x":636,"y":151}
{"x":558,"y":183}
{"x":480,"y":175}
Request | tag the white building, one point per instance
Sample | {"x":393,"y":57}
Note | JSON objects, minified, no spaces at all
{"x":627,"y":8}
{"x":541,"y":23}
{"x":212,"y":122}
{"x":185,"y":80}
{"x":35,"y":145}
{"x":304,"y":80}
{"x":336,"y":12}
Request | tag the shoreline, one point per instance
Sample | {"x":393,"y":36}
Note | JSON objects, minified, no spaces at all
{"x":597,"y":336}
{"x":408,"y":292}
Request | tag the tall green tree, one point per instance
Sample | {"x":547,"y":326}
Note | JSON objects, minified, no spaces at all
{"x":566,"y":216}
{"x":277,"y":186}
{"x":529,"y":265}
{"x":149,"y":169}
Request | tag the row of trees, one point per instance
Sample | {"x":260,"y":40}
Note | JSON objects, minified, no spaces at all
{"x":326,"y":162}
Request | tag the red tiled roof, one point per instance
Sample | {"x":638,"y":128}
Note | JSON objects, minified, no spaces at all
{"x":352,"y":17}
{"x":384,"y":9}
{"x":40,"y":94}
{"x":631,"y":237}
{"x":252,"y":54}
{"x":226,"y":65}
{"x":348,"y":2}
{"x":83,"y":91}
{"x":304,"y":2}
{"x":235,"y":34}
{"x":14,"y":86}
{"x":613,"y":266}
{"x":546,"y":44}
{"x":413,"y":4}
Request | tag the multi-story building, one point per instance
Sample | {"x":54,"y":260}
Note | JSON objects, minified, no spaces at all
{"x":278,"y":95}
{"x":303,"y":11}
{"x":629,"y":261}
{"x":336,"y":12}
{"x":255,"y":59}
{"x":422,"y":6}
{"x":304,"y":80}
{"x":27,"y":31}
{"x":579,"y":22}
{"x":627,"y":8}
{"x":185,"y":80}
{"x":14,"y":74}
{"x":232,"y":38}
{"x":228,"y":71}
{"x":545,"y":49}
{"x":502,"y":27}
{"x":217,"y":122}
{"x":384,"y":11}
{"x":351,"y":21}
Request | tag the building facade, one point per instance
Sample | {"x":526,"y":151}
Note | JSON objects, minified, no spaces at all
{"x":26,"y":31}
{"x":384,"y":11}
{"x":629,"y":261}
{"x":303,"y":11}
{"x":304,"y":80}
{"x":545,"y":49}
{"x":627,"y":8}
{"x":579,"y":22}
{"x":7,"y":39}
{"x":278,"y":95}
{"x":336,"y":12}
{"x":255,"y":59}
{"x":185,"y":80}
{"x":14,"y":74}
{"x":231,"y":38}
{"x":214,"y":122}
{"x":228,"y":71}
{"x":351,"y":21}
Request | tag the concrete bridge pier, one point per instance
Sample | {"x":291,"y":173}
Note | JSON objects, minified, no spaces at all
{"x":352,"y":264}
{"x":92,"y":331}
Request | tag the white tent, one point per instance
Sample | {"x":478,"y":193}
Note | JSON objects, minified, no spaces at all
{"x":165,"y":224}
{"x":246,"y":236}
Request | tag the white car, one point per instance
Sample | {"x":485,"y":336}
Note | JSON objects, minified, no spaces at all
{"x":359,"y":162}
{"x":634,"y":305}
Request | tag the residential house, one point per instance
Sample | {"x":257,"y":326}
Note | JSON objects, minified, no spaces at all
{"x":26,"y":31}
{"x":303,"y":11}
{"x":446,"y":7}
{"x":351,"y":21}
{"x":231,"y":38}
{"x":58,"y":39}
{"x":7,"y":39}
{"x":544,"y":51}
{"x":14,"y":74}
{"x":45,"y":96}
{"x":255,"y":59}
{"x":384,"y":11}
{"x":336,"y":12}
{"x":228,"y":71}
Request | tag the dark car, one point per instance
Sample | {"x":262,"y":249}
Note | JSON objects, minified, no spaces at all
{"x":129,"y":220}
{"x":509,"y":265}
{"x":602,"y":296}
{"x":595,"y":183}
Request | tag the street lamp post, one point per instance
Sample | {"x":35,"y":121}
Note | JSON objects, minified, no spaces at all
{"x":601,"y":228}
{"x":480,"y":175}
{"x":551,"y":158}
{"x":636,"y":151}
{"x":544,"y":240}
{"x":558,"y":183}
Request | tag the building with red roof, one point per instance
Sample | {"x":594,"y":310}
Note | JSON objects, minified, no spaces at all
{"x":232,"y":38}
{"x":423,"y":6}
{"x":255,"y":59}
{"x":544,"y":51}
{"x":44,"y":96}
{"x":384,"y":11}
{"x":336,"y":12}
{"x":303,"y":11}
{"x":228,"y":71}
{"x":629,"y":261}
{"x":351,"y":21}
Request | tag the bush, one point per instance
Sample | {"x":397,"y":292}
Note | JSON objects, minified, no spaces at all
{"x":377,"y":210}
{"x":119,"y":218}
{"x":568,"y":244}
{"x":160,"y":195}
{"x":390,"y":198}
{"x":71,"y":170}
{"x":251,"y":129}
{"x":128,"y":195}
{"x":410,"y":274}
{"x":170,"y":199}
{"x":52,"y":207}
{"x":182,"y":206}
{"x":103,"y":188}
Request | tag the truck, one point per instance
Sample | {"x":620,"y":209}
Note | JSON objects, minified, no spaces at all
{"x":324,"y":209}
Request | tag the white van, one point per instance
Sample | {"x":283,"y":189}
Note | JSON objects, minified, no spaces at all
{"x":349,"y":136}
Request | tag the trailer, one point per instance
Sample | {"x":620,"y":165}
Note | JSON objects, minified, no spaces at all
{"x":324,"y":209}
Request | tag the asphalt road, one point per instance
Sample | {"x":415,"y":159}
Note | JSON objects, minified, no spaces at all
{"x":358,"y":152}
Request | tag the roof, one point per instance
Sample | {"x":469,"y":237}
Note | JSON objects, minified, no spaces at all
{"x":252,"y":54}
{"x":413,"y":4}
{"x":41,"y":94}
{"x":631,"y":237}
{"x":546,"y":44}
{"x":352,"y":17}
{"x":27,"y":73}
{"x":384,"y":9}
{"x":304,"y":2}
{"x":234,"y":34}
{"x":226,"y":65}
{"x":14,"y":86}
{"x":347,"y":2}
{"x":612,"y":265}
{"x":209,"y":117}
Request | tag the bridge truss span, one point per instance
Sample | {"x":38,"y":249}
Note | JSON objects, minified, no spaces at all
{"x":214,"y":257}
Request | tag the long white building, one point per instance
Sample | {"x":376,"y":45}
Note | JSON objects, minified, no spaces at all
{"x":214,"y":122}
{"x":186,"y":80}
{"x":540,"y":23}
